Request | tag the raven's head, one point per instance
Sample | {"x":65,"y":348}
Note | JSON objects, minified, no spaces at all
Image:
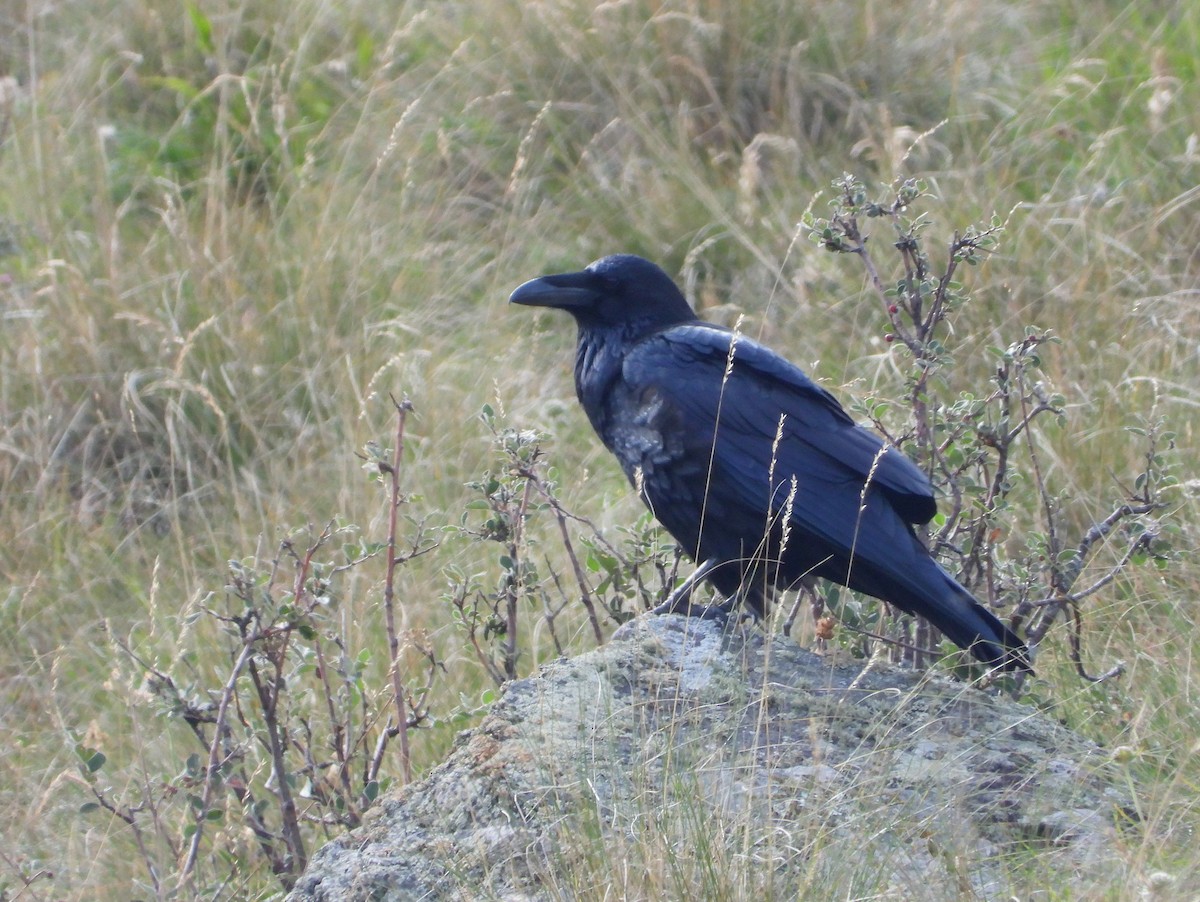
{"x":621,"y":290}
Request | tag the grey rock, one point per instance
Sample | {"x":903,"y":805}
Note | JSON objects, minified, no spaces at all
{"x":690,"y":756}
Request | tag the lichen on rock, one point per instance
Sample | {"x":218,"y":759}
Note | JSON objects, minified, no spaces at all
{"x":687,"y":753}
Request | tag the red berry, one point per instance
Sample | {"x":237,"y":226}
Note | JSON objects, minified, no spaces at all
{"x":889,"y":337}
{"x":892,"y":309}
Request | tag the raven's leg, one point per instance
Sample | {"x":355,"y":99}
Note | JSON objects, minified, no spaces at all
{"x":680,"y":601}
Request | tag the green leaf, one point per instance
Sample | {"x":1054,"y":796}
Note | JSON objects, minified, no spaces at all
{"x":204,"y":29}
{"x":88,"y":807}
{"x":92,"y":759}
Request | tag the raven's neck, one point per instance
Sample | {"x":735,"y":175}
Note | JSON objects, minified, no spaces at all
{"x":600,"y":354}
{"x":598,"y":358}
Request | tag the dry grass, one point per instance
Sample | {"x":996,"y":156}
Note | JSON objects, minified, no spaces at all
{"x":221,"y":248}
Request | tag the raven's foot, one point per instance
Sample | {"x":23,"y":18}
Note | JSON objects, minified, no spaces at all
{"x":680,"y":601}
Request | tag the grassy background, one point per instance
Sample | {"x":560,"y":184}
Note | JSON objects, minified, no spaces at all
{"x":226,"y":235}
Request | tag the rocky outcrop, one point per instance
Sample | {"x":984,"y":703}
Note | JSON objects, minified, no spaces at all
{"x":684,"y":758}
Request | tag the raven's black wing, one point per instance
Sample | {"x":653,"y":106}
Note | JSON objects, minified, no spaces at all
{"x":732,"y":427}
{"x":729,"y":394}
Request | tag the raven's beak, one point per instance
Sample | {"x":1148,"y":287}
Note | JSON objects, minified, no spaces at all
{"x":568,"y":291}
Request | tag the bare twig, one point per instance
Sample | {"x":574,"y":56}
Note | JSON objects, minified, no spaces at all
{"x":1076,"y":645}
{"x":549,"y":612}
{"x":269,"y":691}
{"x":585,"y":590}
{"x":187,"y":873}
{"x":470,"y":621}
{"x":1100,"y":531}
{"x":389,"y":593}
{"x":29,"y":879}
{"x":512,"y":595}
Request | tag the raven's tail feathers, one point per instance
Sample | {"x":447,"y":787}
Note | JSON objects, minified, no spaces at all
{"x":972,"y":626}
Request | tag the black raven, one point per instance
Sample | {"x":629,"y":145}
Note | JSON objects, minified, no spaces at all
{"x":752,"y":467}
